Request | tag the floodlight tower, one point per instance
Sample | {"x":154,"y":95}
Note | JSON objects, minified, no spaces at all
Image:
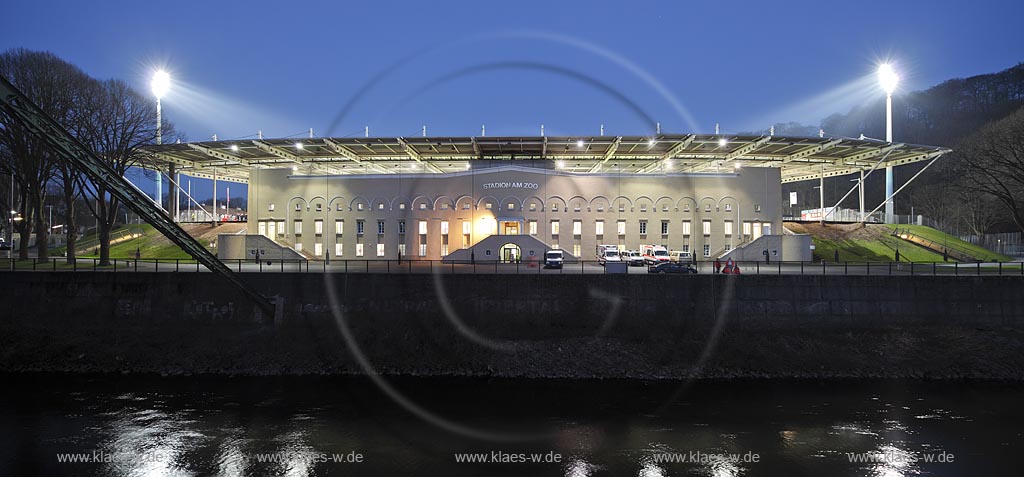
{"x":888,"y":79}
{"x":160,"y":83}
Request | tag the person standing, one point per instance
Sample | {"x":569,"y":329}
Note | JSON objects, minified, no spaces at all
{"x":718,"y":265}
{"x":836,"y":256}
{"x":897,"y":255}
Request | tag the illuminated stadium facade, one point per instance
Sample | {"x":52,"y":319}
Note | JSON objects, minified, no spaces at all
{"x":426,"y":198}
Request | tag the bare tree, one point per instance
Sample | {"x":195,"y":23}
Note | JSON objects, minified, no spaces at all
{"x":123,"y":123}
{"x":977,"y":211}
{"x":993,"y":163}
{"x":51,"y":83}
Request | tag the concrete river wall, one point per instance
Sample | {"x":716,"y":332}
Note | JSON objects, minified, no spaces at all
{"x":586,"y":326}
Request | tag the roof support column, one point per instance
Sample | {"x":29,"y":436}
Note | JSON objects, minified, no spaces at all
{"x":860,"y":186}
{"x":172,"y":206}
{"x":821,"y":193}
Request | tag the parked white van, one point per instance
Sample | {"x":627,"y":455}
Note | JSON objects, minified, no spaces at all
{"x":680,"y":256}
{"x":553,"y":259}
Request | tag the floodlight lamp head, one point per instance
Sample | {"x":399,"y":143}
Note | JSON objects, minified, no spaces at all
{"x":161,"y":83}
{"x":887,"y":78}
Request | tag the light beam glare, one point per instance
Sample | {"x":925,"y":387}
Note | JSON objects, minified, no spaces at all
{"x":813,"y":110}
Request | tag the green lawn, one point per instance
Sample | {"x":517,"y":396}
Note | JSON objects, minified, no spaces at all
{"x":940,"y":237}
{"x":150,"y":245}
{"x":881,"y":250}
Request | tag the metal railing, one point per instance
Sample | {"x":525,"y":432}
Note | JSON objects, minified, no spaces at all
{"x":58,"y":264}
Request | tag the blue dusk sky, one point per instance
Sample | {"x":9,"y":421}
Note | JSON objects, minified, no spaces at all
{"x":284,"y":67}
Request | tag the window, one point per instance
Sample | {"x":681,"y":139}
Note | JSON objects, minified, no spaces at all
{"x":622,"y":206}
{"x":643,"y":227}
{"x":298,"y":246}
{"x":533,"y":207}
{"x":686,"y":247}
{"x":319,"y":207}
{"x":423,"y":206}
{"x":488,"y":206}
{"x":576,"y":208}
{"x":600,"y":208}
{"x":380,"y":250}
{"x":423,"y":249}
{"x":621,"y":227}
{"x":359,"y":250}
{"x":338,"y":249}
{"x":533,"y":227}
{"x":599,"y":227}
{"x":728,"y":227}
{"x":664,"y":227}
{"x":511,"y":206}
{"x":707,"y":207}
{"x":757,"y":207}
{"x":444,"y":228}
{"x":380,"y":206}
{"x":687,"y":228}
{"x":554,"y":227}
{"x":465,"y":206}
{"x":270,"y":208}
{"x":728,"y":207}
{"x":643,"y":207}
{"x":445,"y":206}
{"x":577,"y":228}
{"x":554,"y":207}
{"x":401,"y":249}
{"x":686,"y":207}
{"x":380,"y":227}
{"x":746,"y":228}
{"x":298,"y":207}
{"x":576,"y":249}
{"x":444,"y":247}
{"x":359,"y":206}
{"x":707,"y":250}
{"x":467,"y":227}
{"x":401,"y":206}
{"x":339,"y":226}
{"x":360,"y":225}
{"x":423,"y":227}
{"x":318,"y":249}
{"x":280,"y":227}
{"x":318,"y":227}
{"x":728,"y":246}
{"x":263,"y":228}
{"x":298,"y":227}
{"x":706,"y":227}
{"x":401,"y":227}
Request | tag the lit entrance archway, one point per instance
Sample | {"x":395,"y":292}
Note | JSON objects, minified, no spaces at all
{"x":510,"y":253}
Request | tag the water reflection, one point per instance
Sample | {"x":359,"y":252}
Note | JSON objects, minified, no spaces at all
{"x":182,"y":427}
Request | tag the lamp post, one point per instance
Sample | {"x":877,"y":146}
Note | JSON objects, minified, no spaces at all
{"x":160,"y":83}
{"x":888,"y":79}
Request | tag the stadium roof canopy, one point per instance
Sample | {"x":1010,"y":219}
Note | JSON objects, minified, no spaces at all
{"x":800,"y":158}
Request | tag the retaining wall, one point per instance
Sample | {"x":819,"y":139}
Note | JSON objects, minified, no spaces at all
{"x":517,"y":325}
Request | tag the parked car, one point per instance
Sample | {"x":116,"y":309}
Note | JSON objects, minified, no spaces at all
{"x":3,"y":244}
{"x":553,"y":259}
{"x":633,"y":258}
{"x":672,"y":267}
{"x":679,"y":256}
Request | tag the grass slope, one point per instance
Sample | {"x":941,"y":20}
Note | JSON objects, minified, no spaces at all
{"x":875,"y":243}
{"x":939,"y":237}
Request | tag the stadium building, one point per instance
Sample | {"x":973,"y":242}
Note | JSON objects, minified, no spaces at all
{"x":507,"y":198}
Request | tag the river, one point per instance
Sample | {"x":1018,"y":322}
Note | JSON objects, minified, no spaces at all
{"x":130,"y":425}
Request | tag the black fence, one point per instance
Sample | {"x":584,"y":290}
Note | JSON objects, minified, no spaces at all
{"x":60,"y":264}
